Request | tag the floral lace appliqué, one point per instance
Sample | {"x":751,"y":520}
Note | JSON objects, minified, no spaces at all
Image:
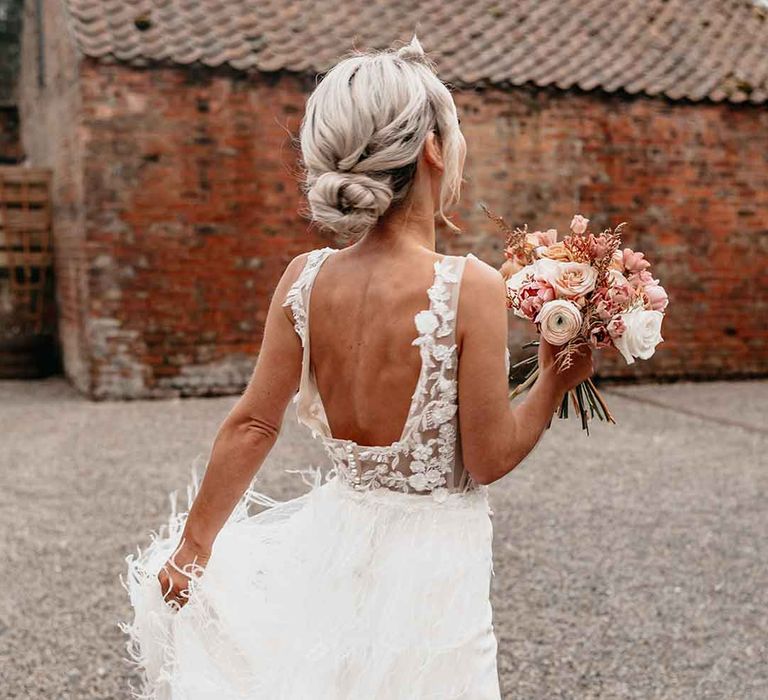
{"x":424,"y":458}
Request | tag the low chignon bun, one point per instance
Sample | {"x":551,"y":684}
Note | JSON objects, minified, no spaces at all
{"x":363,"y":131}
{"x":349,"y":203}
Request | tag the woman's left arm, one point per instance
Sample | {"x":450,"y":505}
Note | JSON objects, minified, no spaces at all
{"x":243,"y":440}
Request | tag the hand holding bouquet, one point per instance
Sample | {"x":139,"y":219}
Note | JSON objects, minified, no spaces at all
{"x":583,"y":291}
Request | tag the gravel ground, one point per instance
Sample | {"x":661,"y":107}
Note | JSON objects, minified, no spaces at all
{"x":631,"y":564}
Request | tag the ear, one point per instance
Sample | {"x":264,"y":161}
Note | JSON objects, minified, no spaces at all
{"x":433,"y":151}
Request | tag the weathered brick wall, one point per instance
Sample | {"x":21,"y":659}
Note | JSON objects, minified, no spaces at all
{"x":49,"y":106}
{"x":190,"y":215}
{"x":692,"y":180}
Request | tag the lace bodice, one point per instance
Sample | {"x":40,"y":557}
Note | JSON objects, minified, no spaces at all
{"x":426,"y":459}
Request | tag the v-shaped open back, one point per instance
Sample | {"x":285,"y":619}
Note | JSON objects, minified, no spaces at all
{"x":426,"y":458}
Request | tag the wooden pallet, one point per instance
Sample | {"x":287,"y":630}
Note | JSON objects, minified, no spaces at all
{"x":26,"y":251}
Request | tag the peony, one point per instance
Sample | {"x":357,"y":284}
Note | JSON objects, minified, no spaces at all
{"x":532,"y":295}
{"x":574,"y":279}
{"x":579,"y":224}
{"x":642,"y":333}
{"x":657,"y":297}
{"x":560,"y":321}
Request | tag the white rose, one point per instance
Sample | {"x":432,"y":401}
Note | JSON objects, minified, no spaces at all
{"x":560,"y":321}
{"x":642,"y":333}
{"x":426,"y":322}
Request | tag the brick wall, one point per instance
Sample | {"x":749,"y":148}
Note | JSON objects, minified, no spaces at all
{"x":191,"y":202}
{"x":692,"y":180}
{"x":187,"y":181}
{"x":49,"y":105}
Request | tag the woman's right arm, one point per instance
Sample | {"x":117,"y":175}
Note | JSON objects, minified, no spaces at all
{"x":497,"y":435}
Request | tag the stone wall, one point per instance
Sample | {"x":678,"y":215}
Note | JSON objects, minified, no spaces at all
{"x":178,"y":211}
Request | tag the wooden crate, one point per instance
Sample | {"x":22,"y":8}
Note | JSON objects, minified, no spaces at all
{"x":26,"y":251}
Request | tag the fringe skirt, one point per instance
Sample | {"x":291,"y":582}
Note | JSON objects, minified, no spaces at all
{"x":335,"y":595}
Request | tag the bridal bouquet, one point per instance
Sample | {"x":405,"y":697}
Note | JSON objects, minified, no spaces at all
{"x":582,"y":290}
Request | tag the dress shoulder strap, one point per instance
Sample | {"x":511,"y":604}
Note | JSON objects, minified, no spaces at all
{"x":297,"y":297}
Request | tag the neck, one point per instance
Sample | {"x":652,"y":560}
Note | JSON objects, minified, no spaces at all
{"x":410,"y":225}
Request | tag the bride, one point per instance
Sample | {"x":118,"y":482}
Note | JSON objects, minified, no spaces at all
{"x":374,"y":584}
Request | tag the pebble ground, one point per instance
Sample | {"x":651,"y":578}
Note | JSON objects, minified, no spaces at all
{"x":632,"y":564}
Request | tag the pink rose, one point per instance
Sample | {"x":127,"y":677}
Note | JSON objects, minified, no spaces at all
{"x":657,"y":297}
{"x":635,"y":262}
{"x":579,"y":224}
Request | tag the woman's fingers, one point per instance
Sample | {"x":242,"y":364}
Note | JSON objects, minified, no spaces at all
{"x":173,"y":585}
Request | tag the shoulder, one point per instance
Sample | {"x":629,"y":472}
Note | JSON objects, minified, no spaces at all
{"x":480,"y":281}
{"x":482,"y":301}
{"x":302,"y":264}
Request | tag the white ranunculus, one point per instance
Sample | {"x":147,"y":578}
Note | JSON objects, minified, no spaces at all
{"x":544,"y":268}
{"x":641,"y":335}
{"x":560,"y":321}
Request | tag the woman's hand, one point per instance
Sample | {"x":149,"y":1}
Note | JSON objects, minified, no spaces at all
{"x":187,"y":562}
{"x":580,"y":370}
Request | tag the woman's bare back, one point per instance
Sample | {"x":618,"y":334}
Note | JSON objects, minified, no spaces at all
{"x":361,"y":330}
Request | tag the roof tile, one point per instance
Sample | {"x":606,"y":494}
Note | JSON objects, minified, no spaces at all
{"x":711,"y":49}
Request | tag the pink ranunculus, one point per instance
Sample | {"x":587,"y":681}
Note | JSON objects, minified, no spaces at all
{"x":657,"y":297}
{"x":579,"y":224}
{"x":635,"y":262}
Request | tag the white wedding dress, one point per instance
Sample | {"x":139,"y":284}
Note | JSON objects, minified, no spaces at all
{"x":373,"y":585}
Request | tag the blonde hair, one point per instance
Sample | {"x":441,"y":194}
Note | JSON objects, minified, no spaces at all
{"x":363,"y":130}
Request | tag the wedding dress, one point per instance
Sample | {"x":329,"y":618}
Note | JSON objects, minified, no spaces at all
{"x":373,"y":585}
